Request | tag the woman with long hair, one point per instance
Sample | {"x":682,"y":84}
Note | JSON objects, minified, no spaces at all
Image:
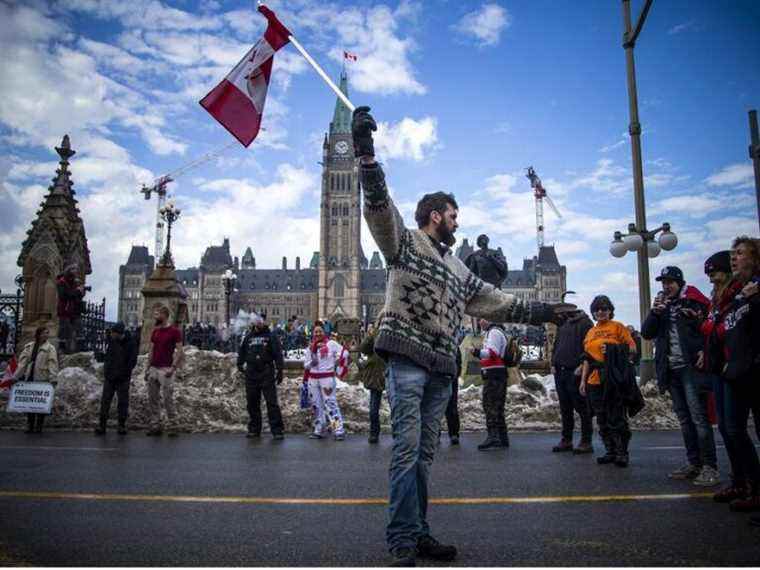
{"x":324,"y":361}
{"x":38,"y":362}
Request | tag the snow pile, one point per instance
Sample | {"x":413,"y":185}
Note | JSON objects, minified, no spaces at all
{"x":210,"y":397}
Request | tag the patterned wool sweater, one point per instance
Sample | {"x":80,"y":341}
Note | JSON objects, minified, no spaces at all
{"x":427,"y":295}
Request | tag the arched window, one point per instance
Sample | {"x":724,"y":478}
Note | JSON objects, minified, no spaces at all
{"x":338,"y":286}
{"x":345,"y":209}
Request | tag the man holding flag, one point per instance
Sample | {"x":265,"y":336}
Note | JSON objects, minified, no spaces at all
{"x":429,"y":292}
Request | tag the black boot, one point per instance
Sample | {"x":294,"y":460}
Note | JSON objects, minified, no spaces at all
{"x":621,"y":458}
{"x":611,"y":453}
{"x":492,"y":441}
{"x":101,"y":429}
{"x":504,"y":436}
{"x":29,"y":423}
{"x":40,"y":422}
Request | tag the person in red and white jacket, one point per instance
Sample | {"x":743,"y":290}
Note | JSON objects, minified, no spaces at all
{"x":324,"y":361}
{"x":493,"y":368}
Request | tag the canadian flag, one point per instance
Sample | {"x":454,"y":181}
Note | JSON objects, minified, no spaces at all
{"x":7,"y":379}
{"x":238,"y":101}
{"x":350,"y":56}
{"x":341,"y":368}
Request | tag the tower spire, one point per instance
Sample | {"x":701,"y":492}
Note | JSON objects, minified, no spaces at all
{"x":341,"y":122}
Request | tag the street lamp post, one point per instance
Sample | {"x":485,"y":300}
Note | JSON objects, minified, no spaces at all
{"x":754,"y":154}
{"x":634,"y":129}
{"x":228,"y":280}
{"x":170,"y":214}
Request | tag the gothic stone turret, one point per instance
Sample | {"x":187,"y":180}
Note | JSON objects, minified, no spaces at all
{"x":55,"y":241}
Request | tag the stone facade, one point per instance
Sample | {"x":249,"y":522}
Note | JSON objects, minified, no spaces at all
{"x":55,"y":241}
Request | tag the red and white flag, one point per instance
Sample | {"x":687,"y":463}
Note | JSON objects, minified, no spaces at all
{"x":238,"y":101}
{"x":7,"y":379}
{"x":349,"y":56}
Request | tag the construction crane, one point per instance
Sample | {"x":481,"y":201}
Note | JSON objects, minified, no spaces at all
{"x":539,"y":192}
{"x":159,"y":188}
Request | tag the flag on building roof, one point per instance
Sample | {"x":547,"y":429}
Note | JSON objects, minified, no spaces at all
{"x":350,"y":56}
{"x":238,"y":101}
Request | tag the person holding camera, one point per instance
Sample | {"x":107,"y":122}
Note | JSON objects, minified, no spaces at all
{"x":678,"y":343}
{"x":70,"y":295}
{"x":260,"y":359}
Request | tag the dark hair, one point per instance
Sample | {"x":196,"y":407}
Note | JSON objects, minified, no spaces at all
{"x":435,"y":202}
{"x":319,"y":324}
{"x":601,"y":301}
{"x":165,"y":310}
{"x":38,"y":333}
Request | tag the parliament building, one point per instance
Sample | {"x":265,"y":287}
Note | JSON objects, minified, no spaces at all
{"x":339,"y":280}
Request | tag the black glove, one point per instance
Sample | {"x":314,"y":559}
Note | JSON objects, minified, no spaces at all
{"x":278,"y":378}
{"x":362,"y":127}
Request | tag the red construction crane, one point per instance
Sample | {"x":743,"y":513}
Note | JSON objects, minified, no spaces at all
{"x":540,"y":194}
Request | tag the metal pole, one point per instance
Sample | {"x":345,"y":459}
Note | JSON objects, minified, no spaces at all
{"x":754,"y":154}
{"x":634,"y":129}
{"x":322,"y":74}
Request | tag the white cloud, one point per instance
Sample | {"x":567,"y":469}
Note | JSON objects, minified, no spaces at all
{"x":485,"y":25}
{"x":383,"y":64}
{"x":409,"y":138}
{"x":678,"y":28}
{"x":739,"y":175}
{"x":607,"y":177}
{"x":145,"y":14}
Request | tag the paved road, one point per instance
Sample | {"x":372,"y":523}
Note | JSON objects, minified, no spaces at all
{"x":216,"y":500}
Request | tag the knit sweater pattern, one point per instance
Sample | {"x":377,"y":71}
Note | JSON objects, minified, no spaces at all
{"x":428,"y":295}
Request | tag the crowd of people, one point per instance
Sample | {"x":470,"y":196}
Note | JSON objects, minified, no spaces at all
{"x":706,"y":350}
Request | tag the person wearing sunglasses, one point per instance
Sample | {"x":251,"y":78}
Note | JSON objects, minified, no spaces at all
{"x":607,"y":404}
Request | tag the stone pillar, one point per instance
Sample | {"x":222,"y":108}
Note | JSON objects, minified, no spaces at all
{"x":162,"y":288}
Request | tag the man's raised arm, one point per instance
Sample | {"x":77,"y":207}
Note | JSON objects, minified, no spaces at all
{"x":383,"y":219}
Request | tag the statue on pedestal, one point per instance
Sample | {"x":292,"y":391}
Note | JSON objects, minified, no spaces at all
{"x":488,"y":264}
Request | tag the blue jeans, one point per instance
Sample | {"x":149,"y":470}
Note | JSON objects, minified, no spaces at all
{"x":689,"y":390}
{"x":418,"y":399}
{"x":734,"y":403}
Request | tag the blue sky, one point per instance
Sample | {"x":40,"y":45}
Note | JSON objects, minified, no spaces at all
{"x":468,"y":94}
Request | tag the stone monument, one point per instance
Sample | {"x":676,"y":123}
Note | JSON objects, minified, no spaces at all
{"x":162,"y":288}
{"x":55,"y":241}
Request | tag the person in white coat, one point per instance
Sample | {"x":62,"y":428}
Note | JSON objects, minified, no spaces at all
{"x":38,"y":362}
{"x":324,"y":361}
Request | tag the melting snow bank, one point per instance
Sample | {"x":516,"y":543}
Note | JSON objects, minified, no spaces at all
{"x":210,"y":397}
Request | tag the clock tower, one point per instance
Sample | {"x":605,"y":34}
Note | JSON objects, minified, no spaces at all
{"x":340,"y":219}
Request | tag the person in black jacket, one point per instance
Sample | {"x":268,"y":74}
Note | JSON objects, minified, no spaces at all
{"x":566,"y":366}
{"x":452,"y":408}
{"x":120,"y":360}
{"x":260,"y":359}
{"x":678,"y":342}
{"x":740,"y":371}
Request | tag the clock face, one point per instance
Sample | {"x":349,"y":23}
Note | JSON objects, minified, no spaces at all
{"x":341,"y":147}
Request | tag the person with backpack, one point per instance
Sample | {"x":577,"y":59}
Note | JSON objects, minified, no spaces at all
{"x":567,"y":358}
{"x":38,"y":362}
{"x":493,"y":368}
{"x":120,"y":360}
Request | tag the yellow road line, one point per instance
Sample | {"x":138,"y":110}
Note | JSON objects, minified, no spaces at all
{"x":344,"y":502}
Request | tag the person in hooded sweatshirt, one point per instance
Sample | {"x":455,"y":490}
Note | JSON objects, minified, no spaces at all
{"x":678,"y":342}
{"x":567,"y":358}
{"x":120,"y":360}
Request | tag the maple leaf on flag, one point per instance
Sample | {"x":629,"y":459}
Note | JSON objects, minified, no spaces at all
{"x":238,"y":101}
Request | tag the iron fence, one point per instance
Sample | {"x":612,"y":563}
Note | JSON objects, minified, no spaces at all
{"x":93,"y":329}
{"x":11,"y":319}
